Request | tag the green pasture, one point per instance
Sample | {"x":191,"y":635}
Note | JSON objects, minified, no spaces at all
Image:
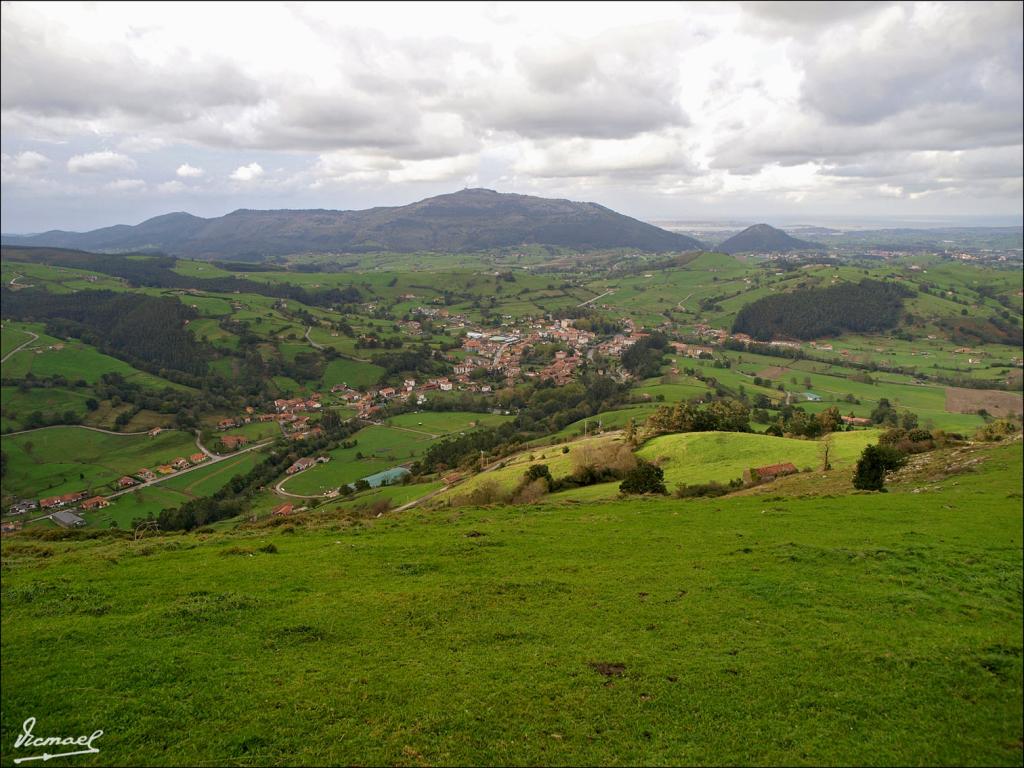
{"x":856,"y":629}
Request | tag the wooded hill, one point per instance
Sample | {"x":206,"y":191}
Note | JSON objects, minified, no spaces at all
{"x":469,"y":220}
{"x":814,"y":313}
{"x":764,"y":238}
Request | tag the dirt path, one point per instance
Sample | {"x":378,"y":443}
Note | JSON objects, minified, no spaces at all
{"x":22,"y":346}
{"x":591,"y":301}
{"x":315,"y":345}
{"x":188,"y":488}
{"x":414,"y":431}
{"x":83,"y":426}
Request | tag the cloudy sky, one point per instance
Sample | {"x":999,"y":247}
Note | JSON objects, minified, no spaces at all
{"x":114,"y":113}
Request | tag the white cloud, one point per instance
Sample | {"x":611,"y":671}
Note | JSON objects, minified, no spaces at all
{"x":28,"y":161}
{"x":248,"y":172}
{"x":126,"y":185}
{"x":187,"y":171}
{"x":100,"y":162}
{"x":657,"y":103}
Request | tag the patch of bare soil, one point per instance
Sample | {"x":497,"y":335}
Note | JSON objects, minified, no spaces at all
{"x":608,"y":669}
{"x":774,"y":372}
{"x":996,"y":402}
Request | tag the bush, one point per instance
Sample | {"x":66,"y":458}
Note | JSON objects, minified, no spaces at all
{"x":711,"y":489}
{"x":530,"y":492}
{"x":997,"y":430}
{"x":874,"y":462}
{"x":908,"y":441}
{"x":644,"y":478}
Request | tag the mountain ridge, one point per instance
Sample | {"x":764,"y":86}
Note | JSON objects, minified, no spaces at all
{"x":463,"y":221}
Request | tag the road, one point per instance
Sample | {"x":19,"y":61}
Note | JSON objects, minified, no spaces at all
{"x":34,"y":336}
{"x":204,"y":449}
{"x":315,"y":345}
{"x":282,"y":492}
{"x":591,"y":301}
{"x":83,"y":426}
{"x":499,"y":353}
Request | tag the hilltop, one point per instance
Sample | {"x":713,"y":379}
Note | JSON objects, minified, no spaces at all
{"x":469,"y":220}
{"x":764,"y":238}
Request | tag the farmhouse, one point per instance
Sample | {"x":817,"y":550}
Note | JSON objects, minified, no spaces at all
{"x":56,"y":502}
{"x":23,"y":506}
{"x":232,"y":442}
{"x":283,"y":509}
{"x":96,"y":502}
{"x":146,"y":475}
{"x":165,"y":469}
{"x":68,"y":520}
{"x":180,"y":463}
{"x":857,"y":421}
{"x":692,"y":350}
{"x":304,"y":463}
{"x":197,"y":458}
{"x":768,"y":473}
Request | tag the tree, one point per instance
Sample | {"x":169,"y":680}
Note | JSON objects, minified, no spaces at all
{"x":874,"y":462}
{"x":826,"y":452}
{"x":645,"y":478}
{"x":631,"y":432}
{"x":330,"y":421}
{"x":538,"y":472}
{"x":830,"y":419}
{"x":908,"y":420}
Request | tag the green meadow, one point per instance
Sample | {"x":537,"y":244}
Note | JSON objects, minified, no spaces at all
{"x":878,"y":629}
{"x":55,"y":460}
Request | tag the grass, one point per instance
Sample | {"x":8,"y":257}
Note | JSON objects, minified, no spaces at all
{"x":701,"y":457}
{"x":76,"y":361}
{"x":56,"y":460}
{"x":352,"y":373}
{"x":872,"y":628}
{"x":16,"y":405}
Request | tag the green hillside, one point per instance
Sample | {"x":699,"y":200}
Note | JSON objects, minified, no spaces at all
{"x":878,"y":628}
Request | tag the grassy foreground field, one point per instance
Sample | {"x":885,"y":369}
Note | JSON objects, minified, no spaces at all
{"x":868,"y":629}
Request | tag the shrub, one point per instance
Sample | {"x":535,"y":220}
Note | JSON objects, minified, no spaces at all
{"x":644,"y":478}
{"x":488,"y":492}
{"x":874,"y":462}
{"x":997,"y":430}
{"x":711,"y":489}
{"x":530,"y":492}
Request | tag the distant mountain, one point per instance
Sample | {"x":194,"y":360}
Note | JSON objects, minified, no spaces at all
{"x":470,"y":220}
{"x":763,"y":238}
